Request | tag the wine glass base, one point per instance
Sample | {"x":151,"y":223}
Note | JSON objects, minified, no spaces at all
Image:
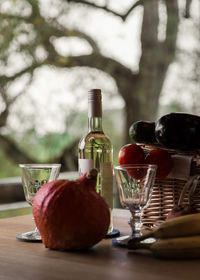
{"x":31,"y":236}
{"x":114,"y":233}
{"x":121,"y":241}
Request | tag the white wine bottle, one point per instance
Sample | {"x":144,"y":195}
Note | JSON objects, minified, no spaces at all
{"x":96,"y":151}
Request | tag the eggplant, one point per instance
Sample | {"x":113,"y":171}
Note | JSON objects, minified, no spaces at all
{"x":143,"y":132}
{"x":178,"y":131}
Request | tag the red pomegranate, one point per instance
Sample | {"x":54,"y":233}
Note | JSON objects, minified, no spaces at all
{"x":69,"y":214}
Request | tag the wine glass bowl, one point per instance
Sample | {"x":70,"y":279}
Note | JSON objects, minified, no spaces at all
{"x":33,"y":177}
{"x":135,"y":186}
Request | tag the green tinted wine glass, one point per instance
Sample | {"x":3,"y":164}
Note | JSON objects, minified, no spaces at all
{"x":33,"y":177}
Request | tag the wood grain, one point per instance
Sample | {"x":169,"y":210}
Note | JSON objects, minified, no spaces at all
{"x":32,"y":261}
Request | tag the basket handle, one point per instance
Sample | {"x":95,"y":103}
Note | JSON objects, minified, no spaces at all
{"x":193,"y":187}
{"x":191,"y":184}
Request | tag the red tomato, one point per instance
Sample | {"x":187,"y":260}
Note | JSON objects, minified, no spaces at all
{"x":163,"y":161}
{"x":137,"y":174}
{"x":131,"y":154}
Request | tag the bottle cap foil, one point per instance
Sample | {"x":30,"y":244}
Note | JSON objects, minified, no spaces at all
{"x":94,"y":103}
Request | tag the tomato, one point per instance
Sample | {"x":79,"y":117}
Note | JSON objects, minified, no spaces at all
{"x":163,"y":161}
{"x":131,"y":154}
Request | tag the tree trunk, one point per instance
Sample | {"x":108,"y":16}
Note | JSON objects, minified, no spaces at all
{"x":143,"y":91}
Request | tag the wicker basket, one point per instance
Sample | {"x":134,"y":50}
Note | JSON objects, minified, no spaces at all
{"x":168,"y":193}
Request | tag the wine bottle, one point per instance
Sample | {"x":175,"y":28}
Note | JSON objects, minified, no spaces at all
{"x":96,"y":151}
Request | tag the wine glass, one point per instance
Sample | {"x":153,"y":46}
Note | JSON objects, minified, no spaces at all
{"x":135,"y":185}
{"x":33,"y":177}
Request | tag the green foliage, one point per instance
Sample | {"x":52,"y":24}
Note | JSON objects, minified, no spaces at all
{"x":15,"y":212}
{"x":8,"y":167}
{"x":114,"y":128}
{"x":44,"y":148}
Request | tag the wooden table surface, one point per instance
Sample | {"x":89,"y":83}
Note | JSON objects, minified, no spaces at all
{"x":32,"y":261}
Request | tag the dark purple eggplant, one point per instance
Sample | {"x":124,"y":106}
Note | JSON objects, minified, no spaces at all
{"x":178,"y":131}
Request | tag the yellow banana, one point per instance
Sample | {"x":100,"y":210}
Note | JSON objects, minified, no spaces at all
{"x":187,"y":225}
{"x":173,"y":248}
{"x":181,"y":226}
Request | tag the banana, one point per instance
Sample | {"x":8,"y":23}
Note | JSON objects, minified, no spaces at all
{"x":181,"y":226}
{"x":187,"y":225}
{"x":173,"y":248}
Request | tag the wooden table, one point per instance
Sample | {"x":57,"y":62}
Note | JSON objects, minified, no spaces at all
{"x":32,"y":261}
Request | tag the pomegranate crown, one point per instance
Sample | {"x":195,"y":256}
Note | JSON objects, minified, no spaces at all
{"x":92,"y":174}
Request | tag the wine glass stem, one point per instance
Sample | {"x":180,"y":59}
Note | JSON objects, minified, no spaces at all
{"x":136,"y":222}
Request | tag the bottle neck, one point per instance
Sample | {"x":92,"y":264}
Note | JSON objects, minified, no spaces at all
{"x":95,"y":111}
{"x":95,"y":124}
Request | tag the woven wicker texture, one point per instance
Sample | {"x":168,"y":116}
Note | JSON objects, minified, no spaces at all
{"x":168,"y":193}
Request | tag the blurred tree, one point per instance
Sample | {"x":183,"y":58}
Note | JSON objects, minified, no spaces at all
{"x":29,"y":32}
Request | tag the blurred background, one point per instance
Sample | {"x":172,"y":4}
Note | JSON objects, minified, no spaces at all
{"x":143,"y":54}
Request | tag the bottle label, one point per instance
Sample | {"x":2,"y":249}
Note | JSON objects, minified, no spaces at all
{"x":85,"y":165}
{"x":107,"y":182}
{"x":106,"y":178}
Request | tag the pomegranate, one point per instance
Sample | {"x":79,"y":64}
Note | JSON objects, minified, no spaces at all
{"x":69,"y":214}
